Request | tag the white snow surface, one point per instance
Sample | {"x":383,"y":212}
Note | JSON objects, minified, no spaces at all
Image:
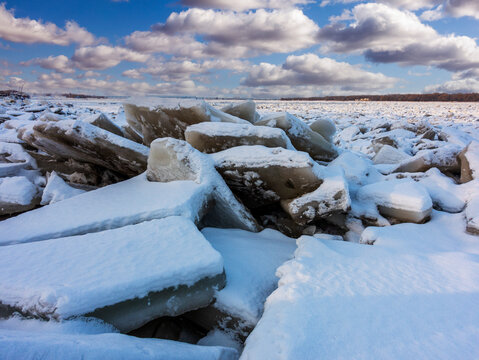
{"x":76,"y":275}
{"x":17,"y":190}
{"x":57,"y":190}
{"x":399,"y":194}
{"x":250,"y":261}
{"x":78,"y":325}
{"x":413,"y":295}
{"x":32,"y":346}
{"x":262,"y":156}
{"x":128,"y":202}
{"x":239,"y":130}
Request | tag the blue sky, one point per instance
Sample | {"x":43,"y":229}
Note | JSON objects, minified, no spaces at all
{"x":249,"y":48}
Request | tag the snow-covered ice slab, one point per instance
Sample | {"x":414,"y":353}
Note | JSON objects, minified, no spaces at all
{"x":250,"y":261}
{"x":128,"y":202}
{"x":413,"y":295}
{"x":126,"y":276}
{"x":403,"y":199}
{"x":32,"y":346}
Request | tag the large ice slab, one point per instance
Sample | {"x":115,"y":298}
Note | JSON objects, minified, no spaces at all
{"x":261,"y":175}
{"x":403,"y":199}
{"x":84,"y":142}
{"x":95,"y":273}
{"x":128,"y":202}
{"x":211,"y":137}
{"x":32,"y":346}
{"x":413,"y":295}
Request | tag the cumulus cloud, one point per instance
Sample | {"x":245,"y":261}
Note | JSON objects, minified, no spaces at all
{"x":228,"y":34}
{"x":103,"y":57}
{"x":244,"y":4}
{"x":455,"y":87}
{"x":60,"y":64}
{"x":311,"y":70}
{"x":459,"y":8}
{"x":25,"y":30}
{"x":183,"y":70}
{"x":389,"y":35}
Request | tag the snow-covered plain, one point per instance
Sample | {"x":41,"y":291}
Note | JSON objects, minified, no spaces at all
{"x":403,"y":291}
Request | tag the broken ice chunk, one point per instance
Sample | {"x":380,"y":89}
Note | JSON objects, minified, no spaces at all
{"x":17,"y":194}
{"x":324,"y":127}
{"x":244,"y":110}
{"x":211,"y":137}
{"x":57,"y":190}
{"x":126,"y":276}
{"x":330,"y":197}
{"x":261,"y":175}
{"x":403,"y":200}
{"x":302,"y":137}
{"x":469,"y":159}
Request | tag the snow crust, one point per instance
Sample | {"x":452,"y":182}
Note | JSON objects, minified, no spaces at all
{"x":17,"y":190}
{"x":399,"y":194}
{"x":414,"y":294}
{"x":250,"y":261}
{"x":76,"y":275}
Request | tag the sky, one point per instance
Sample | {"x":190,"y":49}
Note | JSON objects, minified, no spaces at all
{"x":243,"y":49}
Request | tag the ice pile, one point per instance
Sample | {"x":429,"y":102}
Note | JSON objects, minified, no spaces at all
{"x":173,"y":223}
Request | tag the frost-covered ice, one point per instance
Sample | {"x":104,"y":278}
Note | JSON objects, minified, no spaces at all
{"x":73,"y":276}
{"x":402,"y":199}
{"x":413,"y":295}
{"x":250,"y":261}
{"x":128,"y":202}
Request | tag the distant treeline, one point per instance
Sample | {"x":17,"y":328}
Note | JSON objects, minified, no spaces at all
{"x":82,"y":96}
{"x":472,"y":97}
{"x":14,"y":94}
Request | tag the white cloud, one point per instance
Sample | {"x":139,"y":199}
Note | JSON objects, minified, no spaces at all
{"x":103,"y":57}
{"x":25,"y":30}
{"x":228,"y":34}
{"x":60,"y":64}
{"x":244,"y":4}
{"x":459,"y":8}
{"x":388,"y":35}
{"x":309,"y":70}
{"x":183,"y":70}
{"x":455,"y":86}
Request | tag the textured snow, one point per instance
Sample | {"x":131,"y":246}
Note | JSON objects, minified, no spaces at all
{"x":17,"y":190}
{"x":76,"y":275}
{"x":413,"y":295}
{"x":32,"y":346}
{"x":128,"y":202}
{"x":250,"y":261}
{"x":57,"y":190}
{"x":261,"y":156}
{"x":399,"y":194}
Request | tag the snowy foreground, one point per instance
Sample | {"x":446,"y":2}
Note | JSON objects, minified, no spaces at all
{"x":219,"y":230}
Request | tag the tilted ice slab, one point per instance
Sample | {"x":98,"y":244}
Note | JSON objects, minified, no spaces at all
{"x":26,"y":345}
{"x":128,"y":202}
{"x":251,"y":260}
{"x":402,"y":199}
{"x":93,"y":273}
{"x":413,"y":295}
